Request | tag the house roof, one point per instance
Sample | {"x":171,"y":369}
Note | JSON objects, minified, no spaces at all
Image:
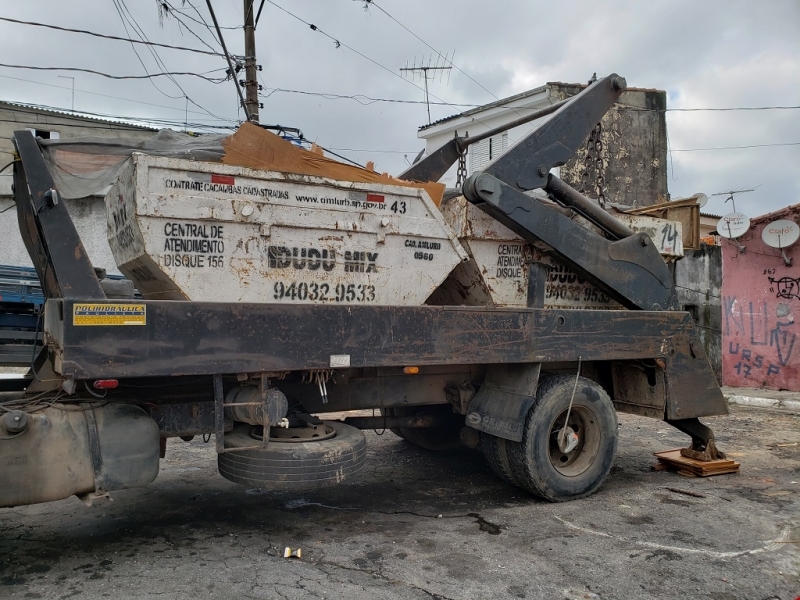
{"x":477,"y":109}
{"x":46,"y":110}
{"x":518,"y":97}
{"x":793,"y":209}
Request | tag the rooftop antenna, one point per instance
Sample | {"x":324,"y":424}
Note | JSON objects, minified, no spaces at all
{"x":424,"y":69}
{"x":730,"y":195}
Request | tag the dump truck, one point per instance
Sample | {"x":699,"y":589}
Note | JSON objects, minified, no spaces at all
{"x":272,"y":296}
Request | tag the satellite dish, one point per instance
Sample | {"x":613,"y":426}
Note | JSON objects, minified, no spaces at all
{"x":701,"y":199}
{"x":780,"y":234}
{"x":733,"y":225}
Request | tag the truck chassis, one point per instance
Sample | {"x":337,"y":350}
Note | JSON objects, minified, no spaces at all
{"x":183,"y":360}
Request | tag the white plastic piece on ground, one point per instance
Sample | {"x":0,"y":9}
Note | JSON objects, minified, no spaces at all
{"x":496,"y":274}
{"x":218,"y":233}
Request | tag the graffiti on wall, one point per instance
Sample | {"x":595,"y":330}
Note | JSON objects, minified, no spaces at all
{"x":765,"y":343}
{"x":785,"y":287}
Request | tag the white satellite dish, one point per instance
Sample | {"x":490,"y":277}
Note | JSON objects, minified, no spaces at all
{"x":701,"y":199}
{"x":780,"y":234}
{"x":733,"y":225}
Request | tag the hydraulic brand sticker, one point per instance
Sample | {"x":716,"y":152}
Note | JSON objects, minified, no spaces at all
{"x":109,"y":314}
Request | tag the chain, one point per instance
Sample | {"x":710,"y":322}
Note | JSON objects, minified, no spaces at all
{"x":592,"y":180}
{"x":461,"y":173}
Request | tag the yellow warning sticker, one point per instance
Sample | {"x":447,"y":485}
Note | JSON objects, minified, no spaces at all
{"x":109,"y":314}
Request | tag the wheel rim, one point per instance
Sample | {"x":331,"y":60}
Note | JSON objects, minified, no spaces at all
{"x":310,"y":433}
{"x":585,"y":425}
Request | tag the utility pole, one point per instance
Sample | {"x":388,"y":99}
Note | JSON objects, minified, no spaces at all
{"x":250,"y":72}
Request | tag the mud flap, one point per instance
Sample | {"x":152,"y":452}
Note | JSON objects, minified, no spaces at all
{"x":504,"y":399}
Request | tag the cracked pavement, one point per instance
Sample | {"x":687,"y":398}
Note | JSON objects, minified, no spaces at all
{"x":421,"y":525}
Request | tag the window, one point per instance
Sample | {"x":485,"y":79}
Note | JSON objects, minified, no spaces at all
{"x":487,"y":150}
{"x":45,"y":135}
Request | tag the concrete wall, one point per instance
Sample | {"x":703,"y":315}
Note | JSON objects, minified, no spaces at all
{"x":698,"y":279}
{"x":761,"y":307}
{"x":88,"y":214}
{"x":630,"y":165}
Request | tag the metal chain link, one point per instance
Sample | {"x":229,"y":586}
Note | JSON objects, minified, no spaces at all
{"x":592,"y":180}
{"x":461,"y":173}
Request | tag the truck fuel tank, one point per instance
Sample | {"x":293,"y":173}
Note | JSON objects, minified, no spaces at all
{"x":63,"y":450}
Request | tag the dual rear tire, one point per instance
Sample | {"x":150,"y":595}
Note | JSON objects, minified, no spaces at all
{"x":538,"y":463}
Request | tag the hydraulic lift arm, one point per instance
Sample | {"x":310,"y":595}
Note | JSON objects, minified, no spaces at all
{"x":622,"y":263}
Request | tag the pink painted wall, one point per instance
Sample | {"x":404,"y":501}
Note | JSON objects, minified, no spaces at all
{"x":761,"y":310}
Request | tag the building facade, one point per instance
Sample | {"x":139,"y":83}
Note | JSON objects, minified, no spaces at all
{"x":761,"y":309}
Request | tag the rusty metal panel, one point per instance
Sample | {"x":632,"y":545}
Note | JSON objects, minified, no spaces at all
{"x":637,"y":391}
{"x":203,"y":231}
{"x":202,"y":338}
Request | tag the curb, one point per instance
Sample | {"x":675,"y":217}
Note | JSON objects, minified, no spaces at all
{"x":793,"y":405}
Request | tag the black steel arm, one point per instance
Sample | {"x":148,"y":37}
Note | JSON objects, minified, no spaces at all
{"x":630,"y":270}
{"x":627,"y":266}
{"x":47,"y":229}
{"x":436,"y":164}
{"x":527,"y":164}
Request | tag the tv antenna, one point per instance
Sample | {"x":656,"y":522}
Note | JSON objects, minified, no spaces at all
{"x":731,"y":194}
{"x":423,"y":69}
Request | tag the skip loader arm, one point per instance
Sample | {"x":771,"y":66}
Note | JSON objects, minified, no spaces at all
{"x":624,"y":264}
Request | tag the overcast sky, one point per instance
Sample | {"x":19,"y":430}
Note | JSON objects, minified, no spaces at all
{"x":711,"y":54}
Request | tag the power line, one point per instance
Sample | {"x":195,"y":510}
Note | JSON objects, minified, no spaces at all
{"x":452,"y":64}
{"x":120,"y":5}
{"x":167,"y":7}
{"x":63,"y":87}
{"x":122,"y":18}
{"x":729,"y":109}
{"x":338,"y":43}
{"x":87,"y":114}
{"x":110,"y":37}
{"x":376,"y":151}
{"x":735,"y":147}
{"x":162,"y":4}
{"x":358,"y":98}
{"x":109,"y":76}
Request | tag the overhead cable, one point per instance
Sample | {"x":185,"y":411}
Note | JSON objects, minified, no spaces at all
{"x":111,"y":37}
{"x":736,"y":147}
{"x":358,"y":98}
{"x":109,"y":76}
{"x":338,"y":43}
{"x":64,"y":87}
{"x":447,"y":60}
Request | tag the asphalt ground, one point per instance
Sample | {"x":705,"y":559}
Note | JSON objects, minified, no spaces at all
{"x":422,"y":525}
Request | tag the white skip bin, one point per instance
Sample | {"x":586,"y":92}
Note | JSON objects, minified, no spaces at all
{"x":497,"y":274}
{"x":188,"y":230}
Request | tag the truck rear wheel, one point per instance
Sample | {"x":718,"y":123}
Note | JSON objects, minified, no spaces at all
{"x":291,"y":466}
{"x":540,"y":466}
{"x":444,"y":437}
{"x":495,"y":451}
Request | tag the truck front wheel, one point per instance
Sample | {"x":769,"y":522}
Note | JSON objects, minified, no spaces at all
{"x":554,"y":471}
